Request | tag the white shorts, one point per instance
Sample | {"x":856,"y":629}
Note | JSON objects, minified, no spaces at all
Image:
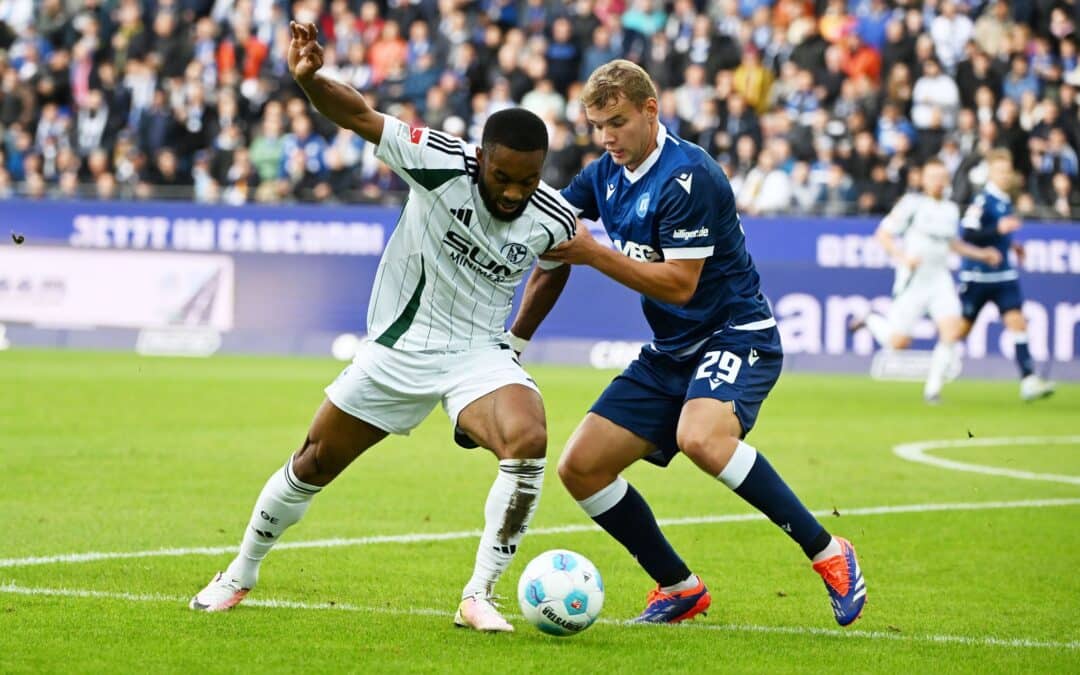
{"x":926,"y":292}
{"x":395,"y":390}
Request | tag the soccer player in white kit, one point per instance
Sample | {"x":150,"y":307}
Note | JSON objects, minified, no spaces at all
{"x":475,"y":220}
{"x":918,"y":234}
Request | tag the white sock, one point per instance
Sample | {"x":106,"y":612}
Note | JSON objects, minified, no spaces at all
{"x":738,"y":467}
{"x":940,"y":360}
{"x":829,"y":551}
{"x":282,"y":503}
{"x":605,"y":498}
{"x":684,"y":585}
{"x":880,"y":329}
{"x":510,"y":506}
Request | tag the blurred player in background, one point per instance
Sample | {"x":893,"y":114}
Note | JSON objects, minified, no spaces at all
{"x":991,"y":221}
{"x":918,"y":235}
{"x":715,"y":355}
{"x":474,"y":221}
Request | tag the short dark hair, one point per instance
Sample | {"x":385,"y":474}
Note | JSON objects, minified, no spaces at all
{"x":517,"y":129}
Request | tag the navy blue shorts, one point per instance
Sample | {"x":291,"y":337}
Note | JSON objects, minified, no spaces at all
{"x":973,"y":295}
{"x":648,"y":397}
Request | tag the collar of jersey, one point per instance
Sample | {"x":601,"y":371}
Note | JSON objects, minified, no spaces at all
{"x":997,"y":192}
{"x":639,"y":173}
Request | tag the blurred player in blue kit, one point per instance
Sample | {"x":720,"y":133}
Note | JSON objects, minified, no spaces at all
{"x":715,"y":355}
{"x":991,"y":221}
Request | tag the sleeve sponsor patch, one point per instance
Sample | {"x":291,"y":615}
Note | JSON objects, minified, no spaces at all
{"x":690,"y":234}
{"x":417,"y":135}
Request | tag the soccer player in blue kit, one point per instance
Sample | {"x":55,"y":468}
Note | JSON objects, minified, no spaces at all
{"x":991,"y":221}
{"x":716,"y":354}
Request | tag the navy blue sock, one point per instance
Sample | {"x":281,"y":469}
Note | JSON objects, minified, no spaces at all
{"x":1023,"y":354}
{"x":751,"y":476}
{"x":631,"y":522}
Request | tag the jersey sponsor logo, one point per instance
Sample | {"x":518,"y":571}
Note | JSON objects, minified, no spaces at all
{"x":610,"y":191}
{"x":416,"y":135}
{"x":632,"y":249}
{"x":465,"y":254}
{"x":643,"y":205}
{"x":752,"y":359}
{"x":690,"y":234}
{"x":684,"y":181}
{"x":462,"y":214}
{"x":515,"y":253}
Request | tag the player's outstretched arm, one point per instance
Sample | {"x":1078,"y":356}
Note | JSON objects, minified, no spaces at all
{"x":987,"y":254}
{"x":337,"y":101}
{"x":671,"y":281}
{"x":541,"y":291}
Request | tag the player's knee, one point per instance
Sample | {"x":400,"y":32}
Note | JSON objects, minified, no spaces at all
{"x":693,"y":443}
{"x":577,"y":472}
{"x":528,"y":443}
{"x":900,"y":342}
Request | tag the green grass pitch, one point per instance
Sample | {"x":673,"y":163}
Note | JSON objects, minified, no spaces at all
{"x":115,"y":454}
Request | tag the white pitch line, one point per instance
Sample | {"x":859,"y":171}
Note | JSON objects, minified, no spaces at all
{"x":422,"y":537}
{"x":917,"y":452}
{"x":1023,"y":643}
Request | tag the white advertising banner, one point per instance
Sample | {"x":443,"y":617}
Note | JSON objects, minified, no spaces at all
{"x":63,"y":287}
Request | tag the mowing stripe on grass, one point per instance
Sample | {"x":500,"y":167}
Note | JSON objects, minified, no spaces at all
{"x":423,"y":537}
{"x":1016,"y":643}
{"x":916,"y":452}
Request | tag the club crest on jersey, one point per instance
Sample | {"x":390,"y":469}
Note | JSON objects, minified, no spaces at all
{"x":643,"y":205}
{"x":515,"y":253}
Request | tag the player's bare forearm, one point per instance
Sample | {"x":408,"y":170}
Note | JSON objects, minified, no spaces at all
{"x":672,"y":281}
{"x":986,"y":254}
{"x":541,"y":291}
{"x":339,"y":102}
{"x":343,"y":105}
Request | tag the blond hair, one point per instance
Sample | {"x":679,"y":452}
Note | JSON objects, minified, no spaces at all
{"x":615,"y":78}
{"x":999,"y":155}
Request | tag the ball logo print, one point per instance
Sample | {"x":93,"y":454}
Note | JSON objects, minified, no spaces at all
{"x":561,"y":592}
{"x":515,"y":253}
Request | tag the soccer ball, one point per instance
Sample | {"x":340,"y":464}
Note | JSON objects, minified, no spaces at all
{"x":561,"y":592}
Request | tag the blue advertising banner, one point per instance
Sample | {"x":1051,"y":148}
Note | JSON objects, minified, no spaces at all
{"x":300,"y":276}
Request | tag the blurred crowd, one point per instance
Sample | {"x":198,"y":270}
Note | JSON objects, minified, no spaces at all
{"x":811,"y":106}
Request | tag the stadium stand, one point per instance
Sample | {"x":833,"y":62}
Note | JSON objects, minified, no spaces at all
{"x":814,"y":107}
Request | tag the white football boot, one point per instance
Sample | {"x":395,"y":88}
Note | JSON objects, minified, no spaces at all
{"x":478,"y":613}
{"x":1033,"y":387}
{"x":219,"y":595}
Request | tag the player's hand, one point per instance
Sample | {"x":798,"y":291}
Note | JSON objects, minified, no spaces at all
{"x":1008,"y":225}
{"x":305,"y":53}
{"x":910,"y":261}
{"x":577,"y":251}
{"x":991,"y":256}
{"x":1019,"y":250}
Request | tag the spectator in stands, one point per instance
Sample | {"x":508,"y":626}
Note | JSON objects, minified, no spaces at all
{"x":950,"y":31}
{"x":1020,"y":79}
{"x":993,"y":27}
{"x":752,"y":80}
{"x":935,"y":101}
{"x":767,"y":190}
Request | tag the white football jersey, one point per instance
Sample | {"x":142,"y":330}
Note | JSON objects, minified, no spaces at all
{"x":447,"y":277}
{"x":926,"y":226}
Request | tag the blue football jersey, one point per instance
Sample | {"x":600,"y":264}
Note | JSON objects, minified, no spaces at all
{"x":980,"y":228}
{"x":678,"y":205}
